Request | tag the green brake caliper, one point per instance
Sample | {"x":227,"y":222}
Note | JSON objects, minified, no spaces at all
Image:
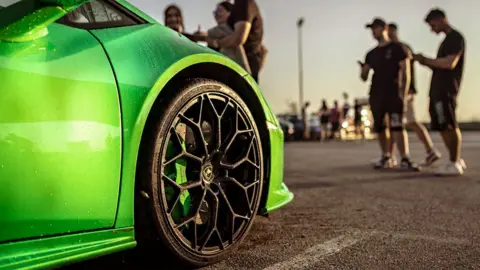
{"x":179,"y":175}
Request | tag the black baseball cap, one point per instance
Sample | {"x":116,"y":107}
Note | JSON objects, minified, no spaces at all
{"x":376,"y":22}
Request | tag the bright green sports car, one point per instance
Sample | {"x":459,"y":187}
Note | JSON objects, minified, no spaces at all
{"x":117,"y":132}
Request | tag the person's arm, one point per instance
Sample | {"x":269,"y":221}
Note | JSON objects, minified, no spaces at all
{"x":364,"y":71}
{"x":238,"y":37}
{"x":448,"y":62}
{"x":365,"y":67}
{"x":243,"y":15}
{"x":454,"y":48}
{"x":404,"y":56}
{"x":404,"y":77}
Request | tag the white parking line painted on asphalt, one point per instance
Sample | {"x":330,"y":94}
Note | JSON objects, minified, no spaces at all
{"x":313,"y":255}
{"x":316,"y":253}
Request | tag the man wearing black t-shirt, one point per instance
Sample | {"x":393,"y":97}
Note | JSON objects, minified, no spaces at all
{"x":445,"y":85}
{"x":247,"y":23}
{"x":390,"y":82}
{"x":411,"y":120}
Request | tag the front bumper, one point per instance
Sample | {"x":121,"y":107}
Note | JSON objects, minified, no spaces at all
{"x":278,"y":193}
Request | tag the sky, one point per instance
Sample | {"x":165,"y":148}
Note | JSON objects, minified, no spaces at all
{"x":335,"y":38}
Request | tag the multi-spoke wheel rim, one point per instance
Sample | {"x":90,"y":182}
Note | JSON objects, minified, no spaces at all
{"x":210,"y":173}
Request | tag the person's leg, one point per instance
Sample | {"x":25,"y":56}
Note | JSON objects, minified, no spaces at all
{"x":422,"y":135}
{"x":452,"y":135}
{"x":383,"y":135}
{"x":391,"y":141}
{"x":399,"y":133}
{"x":444,"y":120}
{"x":421,"y":132}
{"x":383,"y":142}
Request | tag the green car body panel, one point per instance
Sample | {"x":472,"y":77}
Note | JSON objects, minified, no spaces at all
{"x":72,"y":115}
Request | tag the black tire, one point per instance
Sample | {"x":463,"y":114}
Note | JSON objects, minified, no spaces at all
{"x":155,"y":217}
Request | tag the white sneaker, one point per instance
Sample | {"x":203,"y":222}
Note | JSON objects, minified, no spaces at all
{"x":432,"y":157}
{"x":462,"y":163}
{"x":451,"y":169}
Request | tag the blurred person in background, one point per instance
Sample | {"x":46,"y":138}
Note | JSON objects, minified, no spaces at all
{"x":390,"y":82}
{"x":306,"y":123}
{"x":173,"y":19}
{"x":222,"y":30}
{"x":247,"y":24}
{"x":324,"y":115}
{"x":346,"y":105}
{"x":335,"y":120}
{"x":422,"y":133}
{"x":445,"y":86}
{"x":357,"y":118}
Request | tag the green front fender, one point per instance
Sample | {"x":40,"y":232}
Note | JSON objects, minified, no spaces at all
{"x":278,"y":194}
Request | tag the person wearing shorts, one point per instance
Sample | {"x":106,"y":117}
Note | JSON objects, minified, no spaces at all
{"x":411,"y":121}
{"x":444,"y":88}
{"x":391,"y":79}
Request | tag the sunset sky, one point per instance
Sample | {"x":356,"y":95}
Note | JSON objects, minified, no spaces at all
{"x":335,"y":38}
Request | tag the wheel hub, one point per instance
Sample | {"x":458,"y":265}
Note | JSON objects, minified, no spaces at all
{"x":208,"y":173}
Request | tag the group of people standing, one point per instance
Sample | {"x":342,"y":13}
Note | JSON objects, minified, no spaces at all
{"x":333,"y":116}
{"x":238,"y":34}
{"x":393,"y":90}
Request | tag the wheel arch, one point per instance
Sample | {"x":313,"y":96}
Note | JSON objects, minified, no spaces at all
{"x":238,"y":83}
{"x":206,"y":66}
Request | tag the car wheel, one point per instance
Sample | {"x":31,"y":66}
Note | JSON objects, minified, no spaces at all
{"x":202,"y":175}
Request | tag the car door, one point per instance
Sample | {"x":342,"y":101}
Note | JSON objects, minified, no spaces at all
{"x":60,"y":134}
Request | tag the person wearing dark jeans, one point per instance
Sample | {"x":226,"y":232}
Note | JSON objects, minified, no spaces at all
{"x":390,"y":82}
{"x":444,"y":88}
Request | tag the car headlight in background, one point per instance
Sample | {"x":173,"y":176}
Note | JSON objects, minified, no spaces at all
{"x":364,"y":112}
{"x":367,"y":123}
{"x":345,"y":124}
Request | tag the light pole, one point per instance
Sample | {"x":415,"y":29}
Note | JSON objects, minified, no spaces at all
{"x":303,"y":111}
{"x":300,"y":22}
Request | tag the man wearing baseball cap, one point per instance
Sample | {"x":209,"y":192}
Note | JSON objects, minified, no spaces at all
{"x":422,"y":133}
{"x":390,"y":83}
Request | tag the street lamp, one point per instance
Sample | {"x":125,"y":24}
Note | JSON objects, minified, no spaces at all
{"x":300,"y":22}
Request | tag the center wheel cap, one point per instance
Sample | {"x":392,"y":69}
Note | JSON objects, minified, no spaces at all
{"x":207,"y":173}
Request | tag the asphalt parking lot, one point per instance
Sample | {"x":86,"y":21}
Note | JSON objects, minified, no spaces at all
{"x":346,"y":215}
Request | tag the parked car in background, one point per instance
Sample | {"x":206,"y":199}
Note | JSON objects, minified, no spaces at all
{"x":287,"y":128}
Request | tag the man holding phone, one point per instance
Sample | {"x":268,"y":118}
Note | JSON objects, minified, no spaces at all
{"x":390,"y":83}
{"x":446,"y":80}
